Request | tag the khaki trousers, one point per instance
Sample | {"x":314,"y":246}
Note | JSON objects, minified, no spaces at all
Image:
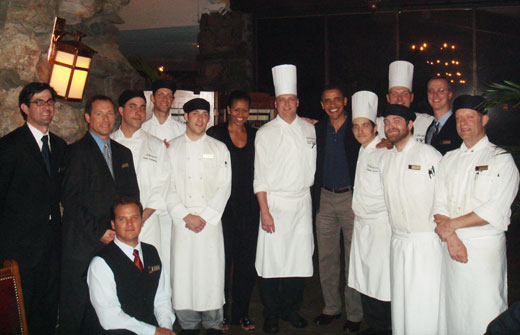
{"x":335,"y":216}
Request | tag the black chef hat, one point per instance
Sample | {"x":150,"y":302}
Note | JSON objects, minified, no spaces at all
{"x":475,"y":102}
{"x":164,"y":83}
{"x":400,"y":110}
{"x":195,"y":104}
{"x":129,"y":94}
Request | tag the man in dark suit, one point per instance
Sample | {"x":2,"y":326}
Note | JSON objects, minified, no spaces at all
{"x":30,"y":220}
{"x":442,"y":133}
{"x":337,"y":152}
{"x":98,"y":171}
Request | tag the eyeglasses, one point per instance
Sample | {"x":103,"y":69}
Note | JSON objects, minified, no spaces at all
{"x":400,"y":94}
{"x":439,"y":91}
{"x":41,"y":103}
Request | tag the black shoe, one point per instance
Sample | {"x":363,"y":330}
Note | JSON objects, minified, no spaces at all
{"x":213,"y":331}
{"x":351,"y":326}
{"x":325,"y":319}
{"x":295,"y":319}
{"x":189,"y":332}
{"x":271,"y":326}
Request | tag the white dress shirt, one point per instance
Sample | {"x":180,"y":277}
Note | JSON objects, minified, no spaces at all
{"x":103,"y":295}
{"x":169,"y":130}
{"x":38,"y":136}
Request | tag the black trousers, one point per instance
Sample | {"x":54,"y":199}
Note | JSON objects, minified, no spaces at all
{"x":377,"y":313}
{"x":281,"y":296}
{"x":40,"y":286}
{"x":76,"y":313}
{"x":240,"y":240}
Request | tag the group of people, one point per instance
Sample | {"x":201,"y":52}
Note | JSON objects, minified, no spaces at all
{"x":160,"y":217}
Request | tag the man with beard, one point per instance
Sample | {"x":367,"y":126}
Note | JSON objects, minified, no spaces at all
{"x":408,"y":174}
{"x":337,"y":152}
{"x":400,"y":80}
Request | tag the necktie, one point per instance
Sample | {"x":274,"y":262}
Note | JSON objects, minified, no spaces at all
{"x":137,"y":260}
{"x":108,"y":159}
{"x":46,"y":153}
{"x":434,"y":130}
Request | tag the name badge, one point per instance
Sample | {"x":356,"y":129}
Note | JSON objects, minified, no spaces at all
{"x":311,"y":141}
{"x":481,"y":168}
{"x":125,"y":165}
{"x":414,"y":167}
{"x":208,"y":156}
{"x":446,"y":142}
{"x":152,"y":269}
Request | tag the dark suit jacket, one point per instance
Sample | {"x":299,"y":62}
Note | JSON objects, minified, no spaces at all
{"x":448,"y":138}
{"x":351,"y":150}
{"x":88,"y":193}
{"x":28,"y":195}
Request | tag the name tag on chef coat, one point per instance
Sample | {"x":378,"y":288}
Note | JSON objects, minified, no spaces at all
{"x":311,"y":141}
{"x":208,"y":156}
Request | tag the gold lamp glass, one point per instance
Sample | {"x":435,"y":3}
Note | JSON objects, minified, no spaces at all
{"x":70,"y":60}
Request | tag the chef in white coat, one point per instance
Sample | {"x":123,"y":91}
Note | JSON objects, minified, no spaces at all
{"x":408,"y":173}
{"x":370,"y":252}
{"x":199,"y":190}
{"x":163,"y":126}
{"x":400,"y":80}
{"x":285,"y":161}
{"x":151,"y":164}
{"x":475,"y":187}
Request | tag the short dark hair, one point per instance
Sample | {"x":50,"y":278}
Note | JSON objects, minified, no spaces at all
{"x":97,"y":97}
{"x":121,"y":201}
{"x":438,"y":78}
{"x":238,"y":95}
{"x":29,"y":91}
{"x":333,"y":86}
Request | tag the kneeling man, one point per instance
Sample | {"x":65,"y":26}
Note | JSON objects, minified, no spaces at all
{"x":128,"y":288}
{"x":474,"y":190}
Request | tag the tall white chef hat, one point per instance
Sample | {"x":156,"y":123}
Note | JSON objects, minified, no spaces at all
{"x":284,"y":79}
{"x":400,"y":73}
{"x":364,"y":104}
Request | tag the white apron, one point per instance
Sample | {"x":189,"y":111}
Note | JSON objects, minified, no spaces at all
{"x":369,"y":269}
{"x":288,"y":251}
{"x":151,"y":234}
{"x":483,"y":278}
{"x":165,"y":231}
{"x":197,"y":266}
{"x":415,"y":261}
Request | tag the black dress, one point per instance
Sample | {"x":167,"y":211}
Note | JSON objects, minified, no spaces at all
{"x":240,"y":222}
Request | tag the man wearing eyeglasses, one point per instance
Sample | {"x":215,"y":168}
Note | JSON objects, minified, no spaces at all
{"x":442,"y":132}
{"x":30,"y":161}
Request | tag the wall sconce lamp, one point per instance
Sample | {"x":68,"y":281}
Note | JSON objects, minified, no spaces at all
{"x":70,"y":61}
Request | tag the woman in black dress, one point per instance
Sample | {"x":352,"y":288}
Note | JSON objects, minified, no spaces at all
{"x":241,"y":216}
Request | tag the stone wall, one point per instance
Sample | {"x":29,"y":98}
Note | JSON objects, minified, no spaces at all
{"x":25,"y":30}
{"x":226,"y":52}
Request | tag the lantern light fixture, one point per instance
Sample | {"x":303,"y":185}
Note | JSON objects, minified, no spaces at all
{"x":70,"y":62}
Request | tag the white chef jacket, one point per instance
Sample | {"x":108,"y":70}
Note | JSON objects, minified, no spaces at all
{"x":415,"y":251}
{"x":285,"y":161}
{"x":420,"y":126}
{"x":409,"y":180}
{"x":152,"y":167}
{"x":481,"y":179}
{"x":103,"y":295}
{"x":370,"y":252}
{"x":169,"y":130}
{"x":200,"y":184}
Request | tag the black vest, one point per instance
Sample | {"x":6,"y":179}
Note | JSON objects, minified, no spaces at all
{"x":135,"y":289}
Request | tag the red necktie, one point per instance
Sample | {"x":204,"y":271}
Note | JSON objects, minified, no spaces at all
{"x":137,"y":260}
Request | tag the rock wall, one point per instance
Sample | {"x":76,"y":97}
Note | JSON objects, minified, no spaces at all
{"x":25,"y":30}
{"x":226,"y":52}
